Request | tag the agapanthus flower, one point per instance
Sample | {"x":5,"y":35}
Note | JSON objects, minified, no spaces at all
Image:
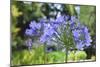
{"x":35,"y":25}
{"x":47,"y":33}
{"x":43,"y":38}
{"x":52,"y":30}
{"x":75,"y":33}
{"x":29,"y":32}
{"x":81,"y":35}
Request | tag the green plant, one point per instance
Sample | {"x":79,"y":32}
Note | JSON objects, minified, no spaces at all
{"x":71,"y":56}
{"x":80,"y":55}
{"x":56,"y":57}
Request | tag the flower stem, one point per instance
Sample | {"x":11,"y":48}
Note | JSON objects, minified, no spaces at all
{"x":66,"y":55}
{"x":45,"y":54}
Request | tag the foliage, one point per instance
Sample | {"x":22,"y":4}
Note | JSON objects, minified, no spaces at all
{"x":77,"y":56}
{"x":56,"y":57}
{"x":36,"y":56}
{"x":25,"y":57}
{"x":80,"y":55}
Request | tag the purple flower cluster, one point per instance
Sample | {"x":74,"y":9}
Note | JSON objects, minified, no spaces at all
{"x":47,"y":33}
{"x":34,"y":29}
{"x":52,"y":30}
{"x":81,"y":35}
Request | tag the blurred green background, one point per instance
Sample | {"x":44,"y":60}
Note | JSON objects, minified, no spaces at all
{"x":21,"y":15}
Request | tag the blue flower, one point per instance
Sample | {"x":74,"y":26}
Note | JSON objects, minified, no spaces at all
{"x":82,"y":37}
{"x":29,"y":32}
{"x":44,"y":38}
{"x":47,"y":29}
{"x":75,"y":33}
{"x":35,"y":25}
{"x":73,"y":19}
{"x":32,"y":24}
{"x":60,"y":20}
{"x":79,"y":45}
{"x":38,"y":26}
{"x":47,"y":34}
{"x":87,"y":36}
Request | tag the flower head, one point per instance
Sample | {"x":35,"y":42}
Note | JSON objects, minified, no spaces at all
{"x":53,"y":28}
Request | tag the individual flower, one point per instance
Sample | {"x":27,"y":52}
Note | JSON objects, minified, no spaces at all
{"x":29,"y":32}
{"x":35,"y":25}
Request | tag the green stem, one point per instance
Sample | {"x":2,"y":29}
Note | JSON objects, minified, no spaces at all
{"x":66,"y":55}
{"x":45,"y":53}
